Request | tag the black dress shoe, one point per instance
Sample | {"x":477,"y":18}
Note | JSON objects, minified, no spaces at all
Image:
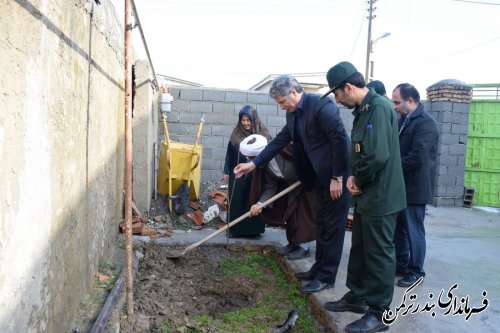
{"x":287,"y":249}
{"x":298,"y":253}
{"x":369,"y":323}
{"x":408,"y":280}
{"x":342,"y":305}
{"x":304,"y":276}
{"x":316,"y":285}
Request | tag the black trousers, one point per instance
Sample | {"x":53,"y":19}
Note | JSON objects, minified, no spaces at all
{"x":331,"y":219}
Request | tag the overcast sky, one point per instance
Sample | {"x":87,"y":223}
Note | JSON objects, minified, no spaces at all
{"x":235,"y":44}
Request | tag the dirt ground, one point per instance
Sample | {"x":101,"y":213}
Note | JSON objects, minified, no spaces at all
{"x":98,"y":292}
{"x":175,"y":291}
{"x":159,"y":218}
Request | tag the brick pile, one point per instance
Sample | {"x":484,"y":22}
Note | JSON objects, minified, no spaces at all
{"x":139,"y":226}
{"x":457,"y":92}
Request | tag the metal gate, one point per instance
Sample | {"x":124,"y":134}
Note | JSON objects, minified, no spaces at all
{"x":482,"y":164}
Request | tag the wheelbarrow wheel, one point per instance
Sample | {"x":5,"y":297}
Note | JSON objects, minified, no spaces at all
{"x":181,"y":201}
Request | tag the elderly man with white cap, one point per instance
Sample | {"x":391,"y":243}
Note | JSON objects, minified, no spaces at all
{"x":294,"y":211}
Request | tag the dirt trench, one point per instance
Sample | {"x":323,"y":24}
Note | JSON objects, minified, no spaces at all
{"x":170,"y":294}
{"x":176,"y":290}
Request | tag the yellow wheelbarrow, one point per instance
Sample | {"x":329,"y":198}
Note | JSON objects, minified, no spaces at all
{"x":179,"y":169}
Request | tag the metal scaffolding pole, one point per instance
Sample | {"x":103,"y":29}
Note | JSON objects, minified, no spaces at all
{"x":128,"y":161}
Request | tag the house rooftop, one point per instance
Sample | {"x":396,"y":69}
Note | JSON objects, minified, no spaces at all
{"x":170,"y":80}
{"x":315,"y":80}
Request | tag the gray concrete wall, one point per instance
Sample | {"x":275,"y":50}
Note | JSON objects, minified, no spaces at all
{"x":145,"y":135}
{"x":61,"y":142}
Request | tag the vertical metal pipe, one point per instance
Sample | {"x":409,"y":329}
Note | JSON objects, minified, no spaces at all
{"x":128,"y":160}
{"x":369,"y":42}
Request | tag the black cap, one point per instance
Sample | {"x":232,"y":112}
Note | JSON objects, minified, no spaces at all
{"x":338,"y":74}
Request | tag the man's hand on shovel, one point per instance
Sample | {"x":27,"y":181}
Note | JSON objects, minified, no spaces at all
{"x":256,"y":209}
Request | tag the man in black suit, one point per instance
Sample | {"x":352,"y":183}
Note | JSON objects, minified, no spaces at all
{"x":321,"y":153}
{"x":418,"y":141}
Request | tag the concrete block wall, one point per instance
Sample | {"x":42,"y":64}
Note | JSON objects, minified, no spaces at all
{"x":449,"y":102}
{"x":221,"y":108}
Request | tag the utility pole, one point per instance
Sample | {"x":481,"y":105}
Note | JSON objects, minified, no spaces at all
{"x":369,"y":41}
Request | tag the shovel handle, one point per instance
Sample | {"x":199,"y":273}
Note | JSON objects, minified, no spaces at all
{"x":241,"y":218}
{"x":202,"y":120}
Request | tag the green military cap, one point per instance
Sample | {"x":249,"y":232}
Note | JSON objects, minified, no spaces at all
{"x":338,"y":74}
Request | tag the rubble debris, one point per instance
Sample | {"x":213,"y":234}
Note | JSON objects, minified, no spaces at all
{"x":197,"y":217}
{"x":223,"y":216}
{"x":148,"y":232}
{"x":211,"y":213}
{"x":137,"y":225}
{"x":165,"y":234}
{"x":136,"y":211}
{"x":220,"y":197}
{"x":102,"y":277}
{"x":194,"y":204}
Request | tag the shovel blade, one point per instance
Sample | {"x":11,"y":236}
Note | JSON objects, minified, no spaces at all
{"x":175,"y":255}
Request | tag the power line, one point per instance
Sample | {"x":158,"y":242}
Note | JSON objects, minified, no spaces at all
{"x":357,"y":37}
{"x":462,"y":49}
{"x":465,"y":16}
{"x":479,"y":2}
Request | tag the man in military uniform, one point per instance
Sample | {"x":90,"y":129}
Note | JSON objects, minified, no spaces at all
{"x":378,"y":195}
